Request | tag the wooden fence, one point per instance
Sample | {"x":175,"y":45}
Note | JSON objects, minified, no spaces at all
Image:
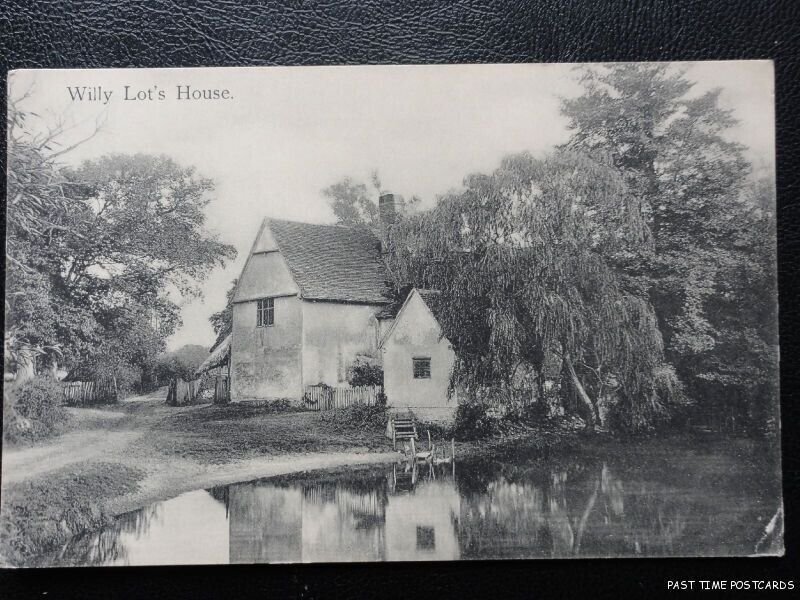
{"x":222,"y":391}
{"x":322,"y":397}
{"x":87,"y":393}
{"x":182,"y":392}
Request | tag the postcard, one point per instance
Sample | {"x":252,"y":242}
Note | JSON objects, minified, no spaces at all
{"x":390,"y":313}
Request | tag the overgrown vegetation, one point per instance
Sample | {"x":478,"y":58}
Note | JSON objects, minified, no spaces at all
{"x":33,"y":410}
{"x":41,"y":515}
{"x":640,"y":255}
{"x":365,"y":372}
{"x":91,"y":254}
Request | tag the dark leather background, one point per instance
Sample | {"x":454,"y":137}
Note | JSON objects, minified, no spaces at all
{"x":164,"y":33}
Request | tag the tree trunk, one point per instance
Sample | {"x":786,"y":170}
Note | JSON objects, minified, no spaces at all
{"x":53,"y":368}
{"x":583,"y":397}
{"x":585,"y":517}
{"x":26,"y":368}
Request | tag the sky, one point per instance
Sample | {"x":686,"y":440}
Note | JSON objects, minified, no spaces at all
{"x":280,"y":135}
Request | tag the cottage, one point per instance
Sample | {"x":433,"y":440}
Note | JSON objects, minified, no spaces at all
{"x":306,"y":306}
{"x":312,"y":299}
{"x":418,"y":360}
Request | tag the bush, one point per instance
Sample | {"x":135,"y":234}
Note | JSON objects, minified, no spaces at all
{"x":363,"y":372}
{"x":33,"y":410}
{"x":473,"y":422}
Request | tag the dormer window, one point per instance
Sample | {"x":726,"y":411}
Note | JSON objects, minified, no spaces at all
{"x":265,"y":315}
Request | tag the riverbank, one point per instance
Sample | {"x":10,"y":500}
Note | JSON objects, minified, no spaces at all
{"x":129,"y":455}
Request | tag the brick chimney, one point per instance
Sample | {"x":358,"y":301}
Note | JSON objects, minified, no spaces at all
{"x":387,"y":216}
{"x":387,"y":210}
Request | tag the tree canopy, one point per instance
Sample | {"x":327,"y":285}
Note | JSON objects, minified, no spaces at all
{"x":356,"y":204}
{"x":97,"y":253}
{"x":522,"y":259}
{"x":712,"y":223}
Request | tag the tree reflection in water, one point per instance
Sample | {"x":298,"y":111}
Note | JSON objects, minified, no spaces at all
{"x":634,"y":503}
{"x":106,"y":547}
{"x":568,"y":512}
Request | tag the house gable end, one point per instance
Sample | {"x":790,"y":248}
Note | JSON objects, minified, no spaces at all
{"x":417,"y":309}
{"x":265,"y":273}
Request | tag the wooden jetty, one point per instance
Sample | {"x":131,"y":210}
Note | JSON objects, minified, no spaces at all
{"x":431,"y":455}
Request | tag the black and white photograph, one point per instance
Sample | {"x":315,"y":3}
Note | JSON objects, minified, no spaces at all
{"x":324,"y":314}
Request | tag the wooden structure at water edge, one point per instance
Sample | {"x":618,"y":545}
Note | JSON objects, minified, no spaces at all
{"x":431,"y":455}
{"x":403,"y":428}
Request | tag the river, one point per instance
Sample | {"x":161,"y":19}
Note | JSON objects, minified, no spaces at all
{"x":662,"y":497}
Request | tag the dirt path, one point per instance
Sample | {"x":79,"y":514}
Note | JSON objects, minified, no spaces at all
{"x":98,"y":434}
{"x":76,"y":447}
{"x":127,"y":434}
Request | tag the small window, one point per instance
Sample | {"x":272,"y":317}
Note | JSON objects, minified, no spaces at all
{"x":426,"y":539}
{"x":266,"y":312}
{"x":422,"y":368}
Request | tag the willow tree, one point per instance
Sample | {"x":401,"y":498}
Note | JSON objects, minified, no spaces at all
{"x":712,"y":258}
{"x":522,"y":260}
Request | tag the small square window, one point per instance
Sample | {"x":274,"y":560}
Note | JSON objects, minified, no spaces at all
{"x":422,"y":368}
{"x":426,"y":538}
{"x":265,"y":312}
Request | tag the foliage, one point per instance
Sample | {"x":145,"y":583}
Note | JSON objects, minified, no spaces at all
{"x":712,"y":260}
{"x":356,"y":204}
{"x":33,"y":410}
{"x":182,"y":362}
{"x":523,"y":259}
{"x":95,"y":251}
{"x":222,"y":321}
{"x":364,"y":372}
{"x":473,"y":422}
{"x":352,"y":203}
{"x":356,"y":417}
{"x":662,"y":402}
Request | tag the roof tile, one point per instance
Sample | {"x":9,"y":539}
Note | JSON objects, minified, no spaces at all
{"x":333,"y":262}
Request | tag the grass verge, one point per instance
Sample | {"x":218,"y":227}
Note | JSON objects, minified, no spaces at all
{"x":216,"y":434}
{"x":40,"y":515}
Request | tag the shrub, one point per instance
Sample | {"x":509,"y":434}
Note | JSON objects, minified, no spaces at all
{"x":473,"y":421}
{"x":33,"y":410}
{"x":363,"y":372}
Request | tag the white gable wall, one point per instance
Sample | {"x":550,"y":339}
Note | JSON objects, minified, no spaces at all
{"x":266,"y":273}
{"x":266,"y":361}
{"x":415,"y":334}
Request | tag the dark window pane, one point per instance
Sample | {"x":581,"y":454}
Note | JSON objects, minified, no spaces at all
{"x":426,"y":538}
{"x":422,"y":368}
{"x":265,"y":312}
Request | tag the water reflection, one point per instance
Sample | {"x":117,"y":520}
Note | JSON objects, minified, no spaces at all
{"x":394,"y":515}
{"x":686,"y":504}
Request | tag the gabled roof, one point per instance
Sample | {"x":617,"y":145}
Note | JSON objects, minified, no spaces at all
{"x":433,"y":300}
{"x":430,"y":298}
{"x":333,"y":262}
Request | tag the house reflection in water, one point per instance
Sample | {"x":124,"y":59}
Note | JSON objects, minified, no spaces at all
{"x":368,"y":520}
